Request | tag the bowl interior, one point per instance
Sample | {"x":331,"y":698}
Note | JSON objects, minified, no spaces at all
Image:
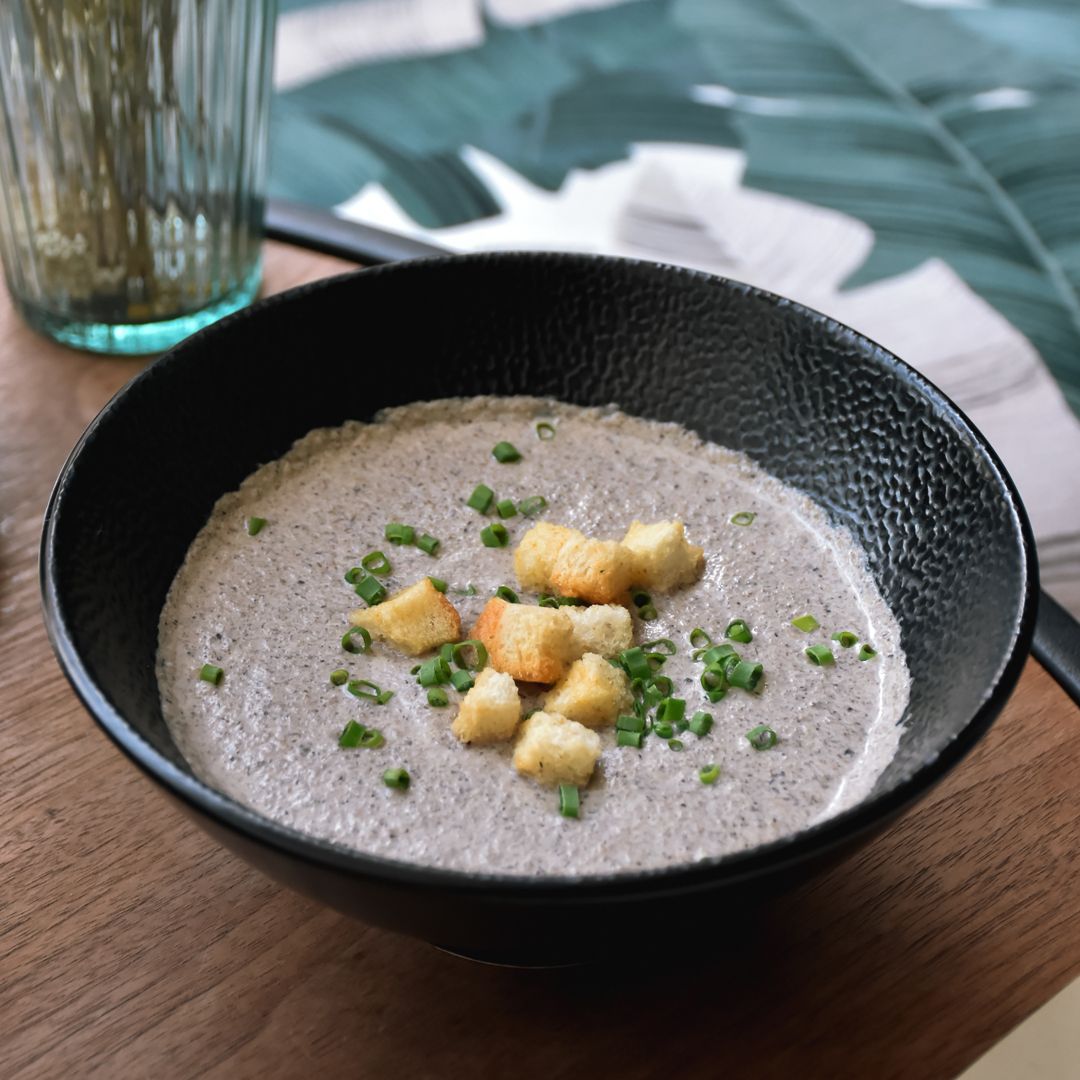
{"x":813,"y":402}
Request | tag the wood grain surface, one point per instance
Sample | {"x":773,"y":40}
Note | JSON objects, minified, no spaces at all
{"x":131,"y":946}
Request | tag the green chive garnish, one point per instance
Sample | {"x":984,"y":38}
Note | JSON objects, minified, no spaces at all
{"x":469,"y":590}
{"x":533,"y":505}
{"x":397,"y":533}
{"x":349,"y":645}
{"x":656,"y":660}
{"x":635,"y":663}
{"x":699,"y":639}
{"x":434,"y":672}
{"x":375,"y":562}
{"x":709,"y":774}
{"x":716,"y":695}
{"x":805,"y":623}
{"x":362,"y":688}
{"x":494,"y":535}
{"x":372,"y":739}
{"x":629,"y":738}
{"x":716,"y":654}
{"x":663,"y":730}
{"x":505,"y":452}
{"x":746,"y":674}
{"x":446,"y":652}
{"x":437,"y":696}
{"x":460,"y":655}
{"x":867,"y":652}
{"x":504,"y":592}
{"x":659,"y":685}
{"x":505,"y":508}
{"x":481,"y":498}
{"x":671,"y":710}
{"x":661,"y":645}
{"x":675,"y":744}
{"x":569,"y":800}
{"x":396,"y":778}
{"x":370,"y":590}
{"x":545,"y":431}
{"x":350,"y":735}
{"x":427,"y":543}
{"x":701,"y":724}
{"x":820,"y":655}
{"x":339,"y":677}
{"x":211,"y":674}
{"x":462,"y":681}
{"x":846,"y":638}
{"x":438,"y":584}
{"x":640,"y":598}
{"x":713,"y":678}
{"x":762,"y":737}
{"x":737,"y":630}
{"x":384,"y":697}
{"x":354,"y":574}
{"x":743,"y":517}
{"x":648,"y":613}
{"x":254,"y":525}
{"x":630,"y":723}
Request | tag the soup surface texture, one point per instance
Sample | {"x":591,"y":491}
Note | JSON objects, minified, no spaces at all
{"x":270,"y":610}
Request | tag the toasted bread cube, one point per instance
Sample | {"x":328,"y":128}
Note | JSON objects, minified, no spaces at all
{"x":592,"y":692}
{"x":555,"y":750}
{"x":665,"y":560}
{"x":606,"y":629}
{"x":600,"y":571}
{"x":490,"y":711}
{"x":536,"y":553}
{"x":414,"y":620}
{"x":530,"y":643}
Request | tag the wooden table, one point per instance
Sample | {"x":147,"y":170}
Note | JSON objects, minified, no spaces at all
{"x":130,"y":945}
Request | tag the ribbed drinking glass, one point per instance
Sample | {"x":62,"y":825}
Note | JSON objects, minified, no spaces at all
{"x":132,"y":164}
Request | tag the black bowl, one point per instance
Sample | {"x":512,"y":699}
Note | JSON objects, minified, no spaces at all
{"x":818,"y":405}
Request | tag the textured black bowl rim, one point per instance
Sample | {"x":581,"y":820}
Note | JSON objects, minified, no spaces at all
{"x":668,"y":880}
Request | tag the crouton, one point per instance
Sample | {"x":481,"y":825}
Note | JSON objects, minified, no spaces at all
{"x":600,"y":571}
{"x":555,"y":750}
{"x":490,"y":711}
{"x":530,"y":643}
{"x":592,"y":692}
{"x":601,"y":628}
{"x":536,"y":553}
{"x":414,"y":620}
{"x":663,"y":557}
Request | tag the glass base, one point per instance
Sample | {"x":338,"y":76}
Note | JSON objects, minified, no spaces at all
{"x":138,"y":339}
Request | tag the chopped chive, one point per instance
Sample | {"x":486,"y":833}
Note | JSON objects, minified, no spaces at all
{"x":462,"y":681}
{"x":375,"y":562}
{"x":436,"y":696}
{"x":737,"y":630}
{"x":701,"y":723}
{"x":397,"y":533}
{"x":660,"y":685}
{"x":709,"y":774}
{"x":699,"y":639}
{"x":533,"y":505}
{"x":354,"y":574}
{"x":415,"y":669}
{"x":372,"y":739}
{"x":661,"y":645}
{"x":648,"y":613}
{"x":434,"y":672}
{"x":656,"y":660}
{"x":547,"y":600}
{"x":211,"y":673}
{"x":675,"y":744}
{"x":569,"y":800}
{"x":820,"y":655}
{"x":427,"y":543}
{"x":396,"y":778}
{"x":743,"y":517}
{"x":438,"y":584}
{"x":469,"y":590}
{"x":746,"y":674}
{"x":494,"y":535}
{"x":867,"y":652}
{"x":505,"y":452}
{"x":846,"y":638}
{"x":682,"y":725}
{"x":635,"y":663}
{"x":370,"y":590}
{"x":716,"y":654}
{"x":505,"y":508}
{"x":349,"y":645}
{"x":255,"y":525}
{"x":362,"y":688}
{"x":545,"y":431}
{"x":461,"y":658}
{"x":629,"y":738}
{"x":351,"y":735}
{"x":671,"y":710}
{"x":762,"y":737}
{"x":663,"y":730}
{"x":481,"y":498}
{"x":504,"y":592}
{"x":713,"y":678}
{"x":716,"y":695}
{"x":630,"y":723}
{"x":446,"y":652}
{"x":640,"y":597}
{"x":339,"y":677}
{"x":805,"y":623}
{"x":384,"y":697}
